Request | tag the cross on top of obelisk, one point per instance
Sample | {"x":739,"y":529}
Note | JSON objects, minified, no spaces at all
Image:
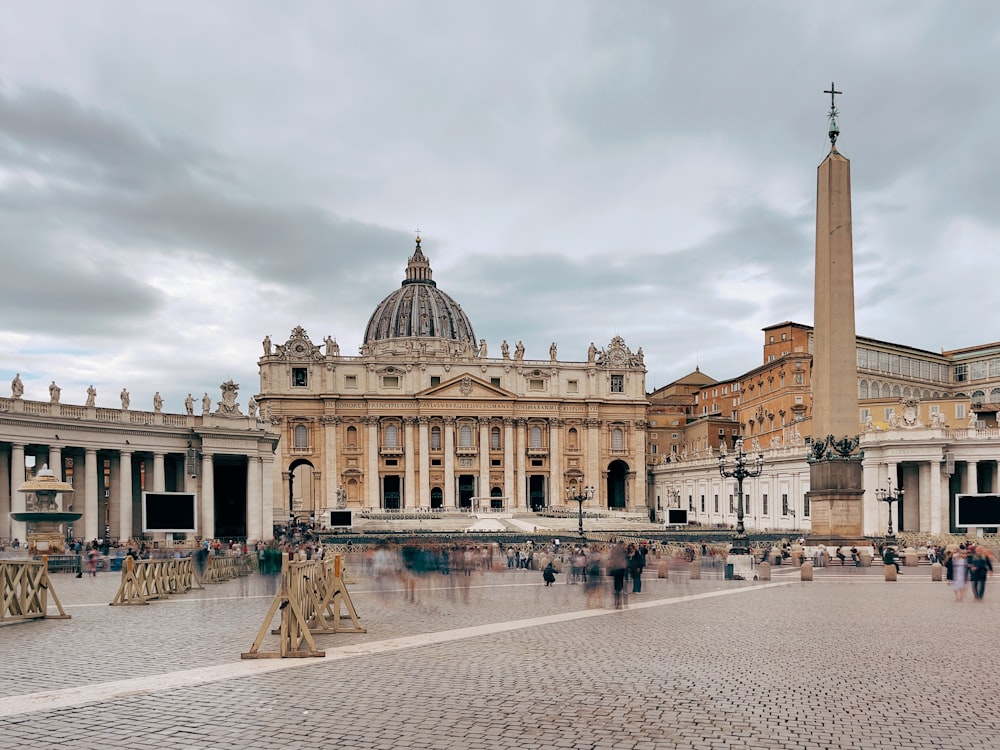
{"x":834,"y":129}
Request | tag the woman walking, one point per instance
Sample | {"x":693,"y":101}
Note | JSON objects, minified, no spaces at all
{"x":959,"y":566}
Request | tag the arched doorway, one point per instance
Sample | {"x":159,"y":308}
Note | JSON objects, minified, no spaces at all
{"x":496,"y":499}
{"x":437,"y":497}
{"x":390,"y":492}
{"x":300,"y":490}
{"x":617,"y":473}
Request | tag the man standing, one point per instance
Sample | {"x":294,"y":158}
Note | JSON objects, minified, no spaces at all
{"x":980,"y":566}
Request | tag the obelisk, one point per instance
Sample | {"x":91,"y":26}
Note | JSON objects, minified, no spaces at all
{"x":835,"y":476}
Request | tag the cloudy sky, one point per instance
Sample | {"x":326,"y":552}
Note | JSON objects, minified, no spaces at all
{"x":178,"y":179}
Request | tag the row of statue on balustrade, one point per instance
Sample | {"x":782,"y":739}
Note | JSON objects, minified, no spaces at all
{"x":226,"y":406}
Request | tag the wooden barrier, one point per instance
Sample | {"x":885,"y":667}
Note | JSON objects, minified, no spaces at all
{"x":26,"y":591}
{"x":309,"y":600}
{"x":144,"y":581}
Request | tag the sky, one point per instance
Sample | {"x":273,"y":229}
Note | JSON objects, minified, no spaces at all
{"x":179,"y":179}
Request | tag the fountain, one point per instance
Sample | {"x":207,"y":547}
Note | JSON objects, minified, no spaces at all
{"x":43,"y":515}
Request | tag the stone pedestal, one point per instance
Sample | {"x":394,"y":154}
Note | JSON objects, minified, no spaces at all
{"x":836,"y":498}
{"x":936,"y":570}
{"x":890,"y":572}
{"x":910,"y":557}
{"x":764,"y":572}
{"x":695,"y":570}
{"x":742,"y":566}
{"x":661,"y":569}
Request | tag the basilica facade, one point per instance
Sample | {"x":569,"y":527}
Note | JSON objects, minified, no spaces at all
{"x":424,"y":419}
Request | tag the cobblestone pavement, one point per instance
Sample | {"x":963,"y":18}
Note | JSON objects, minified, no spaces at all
{"x":498,"y":660}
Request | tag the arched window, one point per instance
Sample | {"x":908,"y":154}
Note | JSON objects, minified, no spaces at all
{"x":886,"y":391}
{"x":906,"y":392}
{"x":465,"y":436}
{"x":995,"y":396}
{"x":572,"y":438}
{"x":352,"y":437}
{"x":535,"y":437}
{"x":617,"y":439}
{"x":435,"y":438}
{"x":897,"y":392}
{"x":301,"y":436}
{"x":863,"y":389}
{"x":391,"y":436}
{"x":495,"y":438}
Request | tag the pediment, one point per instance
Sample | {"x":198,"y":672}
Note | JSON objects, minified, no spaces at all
{"x":466,"y":387}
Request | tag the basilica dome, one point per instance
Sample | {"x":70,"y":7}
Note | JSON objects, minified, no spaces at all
{"x":419,"y":309}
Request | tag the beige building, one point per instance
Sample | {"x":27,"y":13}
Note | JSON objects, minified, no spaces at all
{"x":425,"y":419}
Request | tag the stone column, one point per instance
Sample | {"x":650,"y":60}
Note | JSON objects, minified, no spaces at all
{"x":374,"y":481}
{"x":449,"y":463}
{"x":17,"y":499}
{"x":267,"y":496}
{"x":520,"y":468}
{"x":557,"y":495}
{"x":90,"y":487}
{"x":409,"y":469}
{"x":55,"y":462}
{"x":255,"y":522}
{"x":5,"y":494}
{"x":331,"y":470}
{"x":124,"y":499}
{"x":484,"y":460}
{"x":872,"y":511}
{"x":508,"y":462}
{"x":592,"y":461}
{"x":970,"y":481}
{"x":938,"y":509}
{"x":159,"y":478}
{"x":425,"y":462}
{"x":207,"y":504}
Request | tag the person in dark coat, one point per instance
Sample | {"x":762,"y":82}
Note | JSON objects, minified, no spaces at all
{"x":980,"y":566}
{"x":549,"y":574}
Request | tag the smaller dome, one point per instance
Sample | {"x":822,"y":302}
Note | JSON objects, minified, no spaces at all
{"x":418,"y":309}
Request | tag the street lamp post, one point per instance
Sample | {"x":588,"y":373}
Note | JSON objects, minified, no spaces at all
{"x":890,"y":497}
{"x":741,"y":470}
{"x":580,"y":495}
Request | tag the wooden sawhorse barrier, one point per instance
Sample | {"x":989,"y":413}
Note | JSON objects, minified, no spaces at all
{"x":144,"y":581}
{"x":26,"y":591}
{"x":309,"y":600}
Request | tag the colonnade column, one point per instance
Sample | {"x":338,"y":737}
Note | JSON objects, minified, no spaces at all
{"x":159,"y":480}
{"x":508,"y":462}
{"x":520,"y":473}
{"x":254,"y":512}
{"x":207,"y":496}
{"x":970,"y":481}
{"x":449,"y":463}
{"x":938,"y":509}
{"x":555,"y":463}
{"x":123,"y":500}
{"x":331,"y":426}
{"x":424,"y":500}
{"x":267,"y":496}
{"x":374,"y":490}
{"x":870,"y":509}
{"x":593,"y":470}
{"x":90,"y":488}
{"x":5,"y":493}
{"x":17,"y":504}
{"x":484,"y":459}
{"x":409,"y":471}
{"x":55,"y":462}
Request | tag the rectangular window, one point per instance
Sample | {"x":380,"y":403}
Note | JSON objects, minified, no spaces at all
{"x":925,"y":370}
{"x":350,"y":381}
{"x":889,"y":412}
{"x":883,"y":361}
{"x":702,"y":503}
{"x":995,"y":368}
{"x":573,"y":386}
{"x":391,"y":462}
{"x":763,"y":504}
{"x":536,"y":384}
{"x":865,"y":413}
{"x":805,"y":505}
{"x":732,"y":504}
{"x":673,"y":435}
{"x":978,"y":370}
{"x":495,"y":381}
{"x":435,"y":380}
{"x":784,"y":504}
{"x":617,"y":383}
{"x":716,"y":503}
{"x":959,"y":411}
{"x":904,"y":366}
{"x":496,"y":462}
{"x":435,"y":462}
{"x":299,"y":377}
{"x":653,"y":448}
{"x":390,"y":381}
{"x":862,"y":358}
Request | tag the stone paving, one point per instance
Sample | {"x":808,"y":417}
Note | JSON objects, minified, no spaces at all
{"x":497,"y":660}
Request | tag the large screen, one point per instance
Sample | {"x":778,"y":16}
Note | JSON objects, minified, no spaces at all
{"x":977,"y":510}
{"x":342,"y":518}
{"x":169,"y":512}
{"x":677,"y":516}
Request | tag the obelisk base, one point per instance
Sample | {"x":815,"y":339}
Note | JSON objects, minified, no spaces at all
{"x":836,"y":500}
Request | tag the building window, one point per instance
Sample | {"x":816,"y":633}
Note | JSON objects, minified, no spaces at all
{"x":865,"y":414}
{"x":805,"y":506}
{"x":435,"y":438}
{"x":299,"y":377}
{"x":465,"y":436}
{"x":352,"y":437}
{"x":572,"y":438}
{"x":716,"y":503}
{"x":959,"y":411}
{"x":784,"y":504}
{"x":653,"y":448}
{"x":702,"y":503}
{"x":617,"y":383}
{"x":435,"y":380}
{"x":978,"y":370}
{"x":350,"y":381}
{"x":391,"y":436}
{"x":495,"y":381}
{"x":495,"y":438}
{"x":763,"y":504}
{"x":535,"y":437}
{"x":301,"y":436}
{"x":617,"y":439}
{"x":573,"y":386}
{"x":536,"y":384}
{"x":390,"y":381}
{"x":732,"y":504}
{"x":889,"y":413}
{"x":960,"y":373}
